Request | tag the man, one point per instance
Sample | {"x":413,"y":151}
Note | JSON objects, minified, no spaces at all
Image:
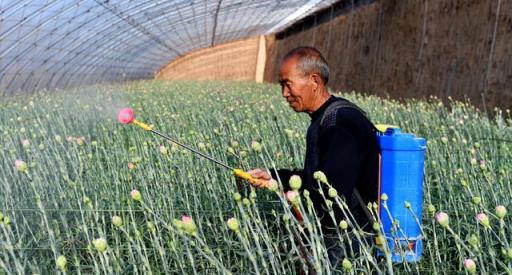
{"x":341,"y":141}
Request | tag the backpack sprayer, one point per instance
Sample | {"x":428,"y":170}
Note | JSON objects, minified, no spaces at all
{"x":401,"y":163}
{"x":401,"y":172}
{"x":126,"y":116}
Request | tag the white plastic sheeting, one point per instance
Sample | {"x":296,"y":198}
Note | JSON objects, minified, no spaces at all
{"x":64,"y":43}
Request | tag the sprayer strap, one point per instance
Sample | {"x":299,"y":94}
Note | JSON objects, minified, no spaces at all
{"x":333,"y":108}
{"x":338,"y":105}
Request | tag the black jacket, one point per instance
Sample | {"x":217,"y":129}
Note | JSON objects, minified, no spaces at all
{"x":344,"y":146}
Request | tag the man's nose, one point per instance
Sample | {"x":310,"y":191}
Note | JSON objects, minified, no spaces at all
{"x":285,"y":92}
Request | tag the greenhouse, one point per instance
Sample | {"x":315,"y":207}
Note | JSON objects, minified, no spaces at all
{"x":255,"y":137}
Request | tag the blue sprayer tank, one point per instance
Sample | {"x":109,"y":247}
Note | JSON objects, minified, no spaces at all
{"x":402,"y":162}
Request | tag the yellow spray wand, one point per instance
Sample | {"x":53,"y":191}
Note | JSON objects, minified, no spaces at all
{"x":126,"y":117}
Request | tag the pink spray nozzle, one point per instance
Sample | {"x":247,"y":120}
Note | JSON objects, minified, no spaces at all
{"x":126,"y":116}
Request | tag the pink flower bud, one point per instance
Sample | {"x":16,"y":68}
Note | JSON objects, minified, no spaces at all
{"x":188,"y":225}
{"x":293,"y":197}
{"x":135,"y":194}
{"x":442,"y":219}
{"x":25,"y":143}
{"x":80,"y":140}
{"x":470,"y":266}
{"x":20,"y":165}
{"x":483,"y":219}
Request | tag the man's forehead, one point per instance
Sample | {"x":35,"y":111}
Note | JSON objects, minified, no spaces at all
{"x":288,"y":66}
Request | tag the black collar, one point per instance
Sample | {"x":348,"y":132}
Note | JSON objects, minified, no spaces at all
{"x":319,"y":112}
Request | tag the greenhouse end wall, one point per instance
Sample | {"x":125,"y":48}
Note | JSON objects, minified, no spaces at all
{"x":412,"y":49}
{"x":236,"y":60}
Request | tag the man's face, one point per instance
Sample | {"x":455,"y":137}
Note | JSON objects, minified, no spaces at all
{"x":298,"y":89}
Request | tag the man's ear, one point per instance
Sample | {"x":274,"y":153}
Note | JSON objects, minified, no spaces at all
{"x":316,"y":81}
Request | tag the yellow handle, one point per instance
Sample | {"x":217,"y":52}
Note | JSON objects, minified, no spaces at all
{"x":142,"y":125}
{"x":383,"y":127}
{"x":246,"y":176}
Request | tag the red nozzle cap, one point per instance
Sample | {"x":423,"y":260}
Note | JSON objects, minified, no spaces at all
{"x":126,"y":116}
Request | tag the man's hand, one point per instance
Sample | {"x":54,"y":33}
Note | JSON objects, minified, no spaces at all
{"x":260,"y":174}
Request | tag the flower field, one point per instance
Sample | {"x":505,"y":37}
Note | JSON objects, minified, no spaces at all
{"x":81,"y":193}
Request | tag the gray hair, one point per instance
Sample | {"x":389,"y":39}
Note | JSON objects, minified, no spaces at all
{"x":310,"y":60}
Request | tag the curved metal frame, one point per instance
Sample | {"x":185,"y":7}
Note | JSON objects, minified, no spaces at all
{"x":109,"y":41}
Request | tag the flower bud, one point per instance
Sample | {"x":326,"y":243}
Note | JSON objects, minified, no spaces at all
{"x":135,"y":194}
{"x":347,"y":265}
{"x":295,"y":182}
{"x":237,"y":197}
{"x":376,"y":226}
{"x":483,"y":219}
{"x":343,"y":225}
{"x":151,"y":226}
{"x":25,"y":143}
{"x":273,"y":185}
{"x":473,"y":161}
{"x":501,"y":211}
{"x":117,"y":221}
{"x":246,"y":202}
{"x":188,"y":225}
{"x":20,"y":165}
{"x":320,"y":176}
{"x":163,"y":150}
{"x":332,"y":193}
{"x":292,"y":197}
{"x":86,"y":200}
{"x":470,"y":266}
{"x":482,"y":164}
{"x":80,"y":140}
{"x":476,"y":200}
{"x":233,"y":224}
{"x":329,"y":204}
{"x":473,"y":241}
{"x":407,"y":205}
{"x":431,"y":209}
{"x":256,"y":146}
{"x":442,"y":219}
{"x":100,"y":244}
{"x":384,"y":197}
{"x":61,"y":263}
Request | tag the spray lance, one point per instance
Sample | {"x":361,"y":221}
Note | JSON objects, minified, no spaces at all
{"x":126,"y":116}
